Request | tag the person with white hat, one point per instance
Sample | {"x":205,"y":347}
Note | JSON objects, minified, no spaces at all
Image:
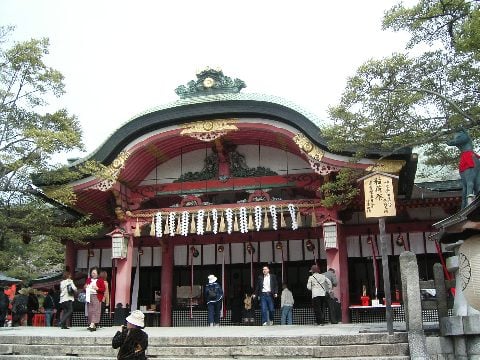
{"x":131,"y":339}
{"x":214,"y":296}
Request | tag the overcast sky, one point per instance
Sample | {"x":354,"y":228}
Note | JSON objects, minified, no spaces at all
{"x":121,"y":58}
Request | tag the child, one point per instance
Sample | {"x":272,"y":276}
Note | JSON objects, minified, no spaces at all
{"x":248,"y":314}
{"x":287,"y":305}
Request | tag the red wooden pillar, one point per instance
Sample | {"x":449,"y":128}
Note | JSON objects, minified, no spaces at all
{"x":70,"y":257}
{"x":342,"y":274}
{"x":123,"y":278}
{"x":166,"y":284}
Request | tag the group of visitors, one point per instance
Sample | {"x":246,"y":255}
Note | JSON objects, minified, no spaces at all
{"x":96,"y":297}
{"x":266,"y":291}
{"x":57,"y":303}
{"x":25,"y":304}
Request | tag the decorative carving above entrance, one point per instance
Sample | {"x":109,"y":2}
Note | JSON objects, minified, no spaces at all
{"x":210,"y":81}
{"x":314,"y":155}
{"x":387,"y":166}
{"x":209,"y":130}
{"x":223,"y":163}
{"x":322,"y":168}
{"x":309,"y":149}
{"x":111,"y":172}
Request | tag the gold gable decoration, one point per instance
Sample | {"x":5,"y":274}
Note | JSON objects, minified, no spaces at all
{"x":307,"y":147}
{"x":110,"y":173}
{"x":387,"y":166}
{"x":209,"y":130}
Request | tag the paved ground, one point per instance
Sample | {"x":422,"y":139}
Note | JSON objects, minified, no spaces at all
{"x":223,"y":331}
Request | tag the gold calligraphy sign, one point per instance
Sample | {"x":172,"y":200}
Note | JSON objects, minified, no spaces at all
{"x":379,"y":196}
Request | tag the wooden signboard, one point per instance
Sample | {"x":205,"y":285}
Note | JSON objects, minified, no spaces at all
{"x":379,"y":196}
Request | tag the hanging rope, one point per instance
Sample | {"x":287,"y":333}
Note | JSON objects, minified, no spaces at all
{"x":375,"y":265}
{"x":191,"y":282}
{"x":444,"y":266}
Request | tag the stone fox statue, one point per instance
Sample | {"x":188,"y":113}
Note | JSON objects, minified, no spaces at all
{"x":469,"y":166}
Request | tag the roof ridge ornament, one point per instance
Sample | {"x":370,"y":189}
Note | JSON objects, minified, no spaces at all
{"x":210,"y":81}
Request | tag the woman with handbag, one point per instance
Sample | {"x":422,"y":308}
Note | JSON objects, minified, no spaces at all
{"x":67,"y":293}
{"x":94,"y":289}
{"x":319,"y":285}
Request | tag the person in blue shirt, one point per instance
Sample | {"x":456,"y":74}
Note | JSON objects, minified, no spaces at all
{"x":213,"y":296}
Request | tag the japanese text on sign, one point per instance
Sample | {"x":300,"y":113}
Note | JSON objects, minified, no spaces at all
{"x":379,"y":196}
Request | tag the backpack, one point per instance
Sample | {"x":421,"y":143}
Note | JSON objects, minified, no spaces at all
{"x":211,"y":293}
{"x":20,"y":308}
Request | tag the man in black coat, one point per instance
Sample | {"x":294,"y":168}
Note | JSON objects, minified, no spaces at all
{"x":267,"y":289}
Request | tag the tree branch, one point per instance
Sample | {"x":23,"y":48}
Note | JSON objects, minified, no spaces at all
{"x":443,"y":97}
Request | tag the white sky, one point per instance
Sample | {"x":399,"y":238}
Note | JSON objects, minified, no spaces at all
{"x":120,"y":58}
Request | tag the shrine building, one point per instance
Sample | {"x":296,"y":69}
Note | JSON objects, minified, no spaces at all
{"x":222,"y":182}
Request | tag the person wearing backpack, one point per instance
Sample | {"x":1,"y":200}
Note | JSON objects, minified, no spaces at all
{"x":19,"y":307}
{"x":319,"y":285}
{"x":213,"y":296}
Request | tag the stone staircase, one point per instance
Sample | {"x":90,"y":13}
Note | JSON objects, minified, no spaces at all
{"x":370,"y":346}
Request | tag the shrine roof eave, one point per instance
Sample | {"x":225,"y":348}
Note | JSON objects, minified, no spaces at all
{"x":460,"y":225}
{"x":180,"y":113}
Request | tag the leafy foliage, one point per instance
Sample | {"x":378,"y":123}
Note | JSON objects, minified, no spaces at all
{"x":342,"y":190}
{"x":30,"y":228}
{"x":415,"y":101}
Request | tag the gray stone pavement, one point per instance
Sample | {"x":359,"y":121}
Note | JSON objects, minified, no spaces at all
{"x":222,"y":331}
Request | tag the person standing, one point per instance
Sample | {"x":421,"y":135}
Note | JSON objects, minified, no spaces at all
{"x":131,"y":339}
{"x":214,"y":296}
{"x":331,"y":303}
{"x":49,"y":306}
{"x":32,"y":306}
{"x":106,"y":298}
{"x":319,"y":285}
{"x":66,"y":299}
{"x":94,"y":288}
{"x":266,"y":289}
{"x":286,"y":303}
{"x":248,"y":313}
{"x":19,"y":307}
{"x":58,"y":308}
{"x":4,"y":302}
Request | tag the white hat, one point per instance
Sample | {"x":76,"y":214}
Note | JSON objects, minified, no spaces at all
{"x":212,"y":279}
{"x":136,"y":318}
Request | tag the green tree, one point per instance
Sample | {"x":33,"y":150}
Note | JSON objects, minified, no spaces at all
{"x":30,"y":228}
{"x":415,"y":101}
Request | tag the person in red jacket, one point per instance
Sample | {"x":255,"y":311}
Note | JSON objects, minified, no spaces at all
{"x":95,"y":289}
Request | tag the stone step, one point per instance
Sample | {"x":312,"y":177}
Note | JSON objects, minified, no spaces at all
{"x":215,"y":351}
{"x":90,"y":357}
{"x":357,"y":339}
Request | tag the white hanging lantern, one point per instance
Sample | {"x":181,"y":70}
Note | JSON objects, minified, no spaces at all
{"x":330,"y":235}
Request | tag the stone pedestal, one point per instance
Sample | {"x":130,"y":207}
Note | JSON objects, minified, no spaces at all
{"x":465,"y":332}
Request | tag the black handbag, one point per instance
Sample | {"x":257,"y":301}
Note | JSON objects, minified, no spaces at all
{"x":70,"y":290}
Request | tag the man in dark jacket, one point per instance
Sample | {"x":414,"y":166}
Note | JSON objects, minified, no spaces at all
{"x":266,"y":289}
{"x":4,"y":302}
{"x":330,"y":297}
{"x":131,"y":339}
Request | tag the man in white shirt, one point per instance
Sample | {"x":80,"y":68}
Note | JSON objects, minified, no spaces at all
{"x":267,"y":289}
